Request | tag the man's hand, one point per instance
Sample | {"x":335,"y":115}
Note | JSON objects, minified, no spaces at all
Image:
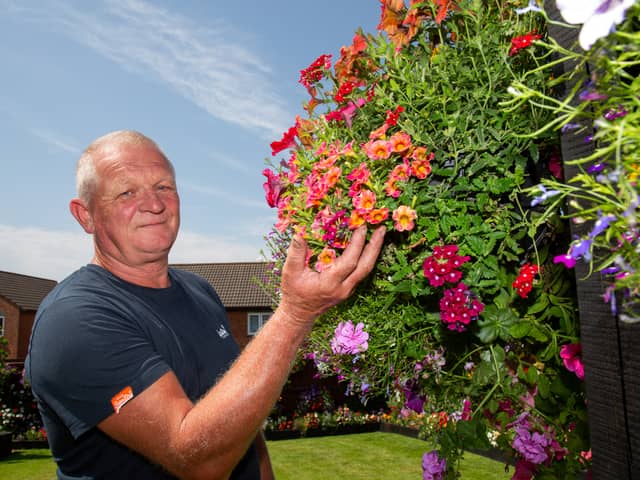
{"x":306,"y":294}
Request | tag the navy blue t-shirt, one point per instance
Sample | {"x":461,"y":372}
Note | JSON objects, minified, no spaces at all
{"x":96,"y":335}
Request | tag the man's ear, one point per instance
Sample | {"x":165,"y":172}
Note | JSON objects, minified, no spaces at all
{"x":82,"y":214}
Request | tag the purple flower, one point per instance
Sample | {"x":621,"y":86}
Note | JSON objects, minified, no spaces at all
{"x":414,"y":401}
{"x":581,"y":248}
{"x":532,"y":7}
{"x":601,"y":225}
{"x":546,"y":194}
{"x":615,"y":113}
{"x":590,"y":94}
{"x":597,"y":167}
{"x":433,"y":467}
{"x":350,"y":339}
{"x":569,"y":126}
{"x":532,"y":446}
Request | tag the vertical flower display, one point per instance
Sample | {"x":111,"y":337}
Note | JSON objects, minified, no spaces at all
{"x":424,"y":127}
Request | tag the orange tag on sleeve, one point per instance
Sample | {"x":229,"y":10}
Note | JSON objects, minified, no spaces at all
{"x":120,"y":398}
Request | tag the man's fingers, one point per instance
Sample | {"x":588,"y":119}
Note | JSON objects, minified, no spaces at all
{"x":368,"y":257}
{"x":296,"y":254}
{"x":349,"y":258}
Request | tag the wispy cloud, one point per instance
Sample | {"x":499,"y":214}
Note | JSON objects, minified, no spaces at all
{"x":210,"y":67}
{"x":55,"y":254}
{"x":54,"y":140}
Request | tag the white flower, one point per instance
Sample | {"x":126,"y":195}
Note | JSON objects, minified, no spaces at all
{"x":599,"y":17}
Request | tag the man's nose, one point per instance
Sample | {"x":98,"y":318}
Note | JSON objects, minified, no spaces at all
{"x":151,"y":201}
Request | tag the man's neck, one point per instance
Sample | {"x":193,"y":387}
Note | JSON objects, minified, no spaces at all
{"x":151,"y":275}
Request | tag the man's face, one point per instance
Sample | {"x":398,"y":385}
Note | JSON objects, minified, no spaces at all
{"x":135,"y":210}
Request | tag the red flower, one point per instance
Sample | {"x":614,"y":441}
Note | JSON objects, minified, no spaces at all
{"x":523,"y":41}
{"x":524,"y":283}
{"x":314,"y":72}
{"x":287,"y":141}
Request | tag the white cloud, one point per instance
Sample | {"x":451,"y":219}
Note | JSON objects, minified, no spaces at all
{"x":208,"y":66}
{"x":55,"y":254}
{"x":43,"y":253}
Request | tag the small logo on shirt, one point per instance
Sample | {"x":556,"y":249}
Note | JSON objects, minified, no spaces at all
{"x":222,"y":332}
{"x":120,"y":398}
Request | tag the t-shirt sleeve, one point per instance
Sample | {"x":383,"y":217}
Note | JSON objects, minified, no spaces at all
{"x":86,"y":361}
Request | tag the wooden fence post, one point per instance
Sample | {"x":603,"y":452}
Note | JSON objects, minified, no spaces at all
{"x":610,"y":348}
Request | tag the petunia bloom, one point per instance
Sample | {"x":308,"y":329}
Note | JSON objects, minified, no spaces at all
{"x":349,"y":338}
{"x":599,"y":17}
{"x":287,"y":141}
{"x":433,"y":467}
{"x":571,"y":355}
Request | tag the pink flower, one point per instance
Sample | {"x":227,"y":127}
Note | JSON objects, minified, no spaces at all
{"x":403,"y":216}
{"x":377,"y":149}
{"x":349,"y":339}
{"x":273,"y":187}
{"x":572,"y":358}
{"x":325,"y":259}
{"x":364,"y":201}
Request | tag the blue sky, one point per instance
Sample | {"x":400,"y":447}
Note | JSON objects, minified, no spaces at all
{"x":214,"y":83}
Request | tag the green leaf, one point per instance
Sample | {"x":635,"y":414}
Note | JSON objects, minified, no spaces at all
{"x":476,"y":244}
{"x":495,"y":323}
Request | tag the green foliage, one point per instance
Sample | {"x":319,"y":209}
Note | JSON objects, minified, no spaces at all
{"x":452,"y":81}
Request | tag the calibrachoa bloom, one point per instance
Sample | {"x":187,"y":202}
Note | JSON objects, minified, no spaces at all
{"x":458,"y":307}
{"x":433,"y":467}
{"x":349,"y":339}
{"x":572,"y":359}
{"x":325,"y":259}
{"x":403,"y":216}
{"x":524,"y":283}
{"x":442,"y":266}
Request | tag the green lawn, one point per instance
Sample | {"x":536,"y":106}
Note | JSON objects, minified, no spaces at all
{"x":370,"y":456}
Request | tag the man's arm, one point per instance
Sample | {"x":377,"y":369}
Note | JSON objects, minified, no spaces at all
{"x":207,"y":439}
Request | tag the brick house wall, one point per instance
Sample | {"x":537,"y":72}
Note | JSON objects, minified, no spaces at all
{"x":11,"y":314}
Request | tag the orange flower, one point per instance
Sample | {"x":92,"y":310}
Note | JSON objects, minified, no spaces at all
{"x":377,"y":215}
{"x":404,"y":217}
{"x":400,"y":142}
{"x":420,"y":169}
{"x":325,"y":259}
{"x":356,"y":220}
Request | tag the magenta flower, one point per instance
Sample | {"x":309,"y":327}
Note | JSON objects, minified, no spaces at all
{"x":349,"y":339}
{"x":433,"y":467}
{"x":571,"y":355}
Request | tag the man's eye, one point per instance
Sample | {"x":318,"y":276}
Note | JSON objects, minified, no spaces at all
{"x":126,"y":193}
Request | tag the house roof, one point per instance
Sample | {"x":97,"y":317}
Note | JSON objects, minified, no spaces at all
{"x":24,"y":291}
{"x":240,"y":285}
